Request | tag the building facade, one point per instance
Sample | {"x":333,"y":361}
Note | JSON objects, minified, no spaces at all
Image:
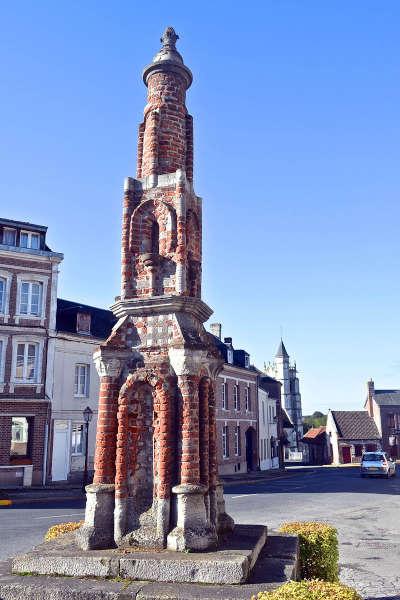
{"x":286,"y":373}
{"x":236,"y":409}
{"x":269,"y":423}
{"x":317,"y":444}
{"x":350,"y":433}
{"x":79,"y":330}
{"x":384,"y":407}
{"x":28,"y":302}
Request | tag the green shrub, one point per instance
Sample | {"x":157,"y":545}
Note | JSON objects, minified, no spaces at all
{"x":312,"y":589}
{"x":57,"y":530}
{"x":319,"y":554}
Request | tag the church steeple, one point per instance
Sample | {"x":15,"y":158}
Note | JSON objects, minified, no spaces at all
{"x":281,"y":352}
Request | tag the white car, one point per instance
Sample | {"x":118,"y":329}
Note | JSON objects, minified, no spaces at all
{"x":377,"y":463}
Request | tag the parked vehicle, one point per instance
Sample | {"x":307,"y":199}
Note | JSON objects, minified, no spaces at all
{"x":377,"y":464}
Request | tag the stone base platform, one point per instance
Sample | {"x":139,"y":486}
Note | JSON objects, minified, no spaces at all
{"x":230,"y":564}
{"x":276,"y":564}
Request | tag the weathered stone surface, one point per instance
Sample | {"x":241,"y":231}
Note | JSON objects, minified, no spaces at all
{"x":268,"y":574}
{"x":230,"y":564}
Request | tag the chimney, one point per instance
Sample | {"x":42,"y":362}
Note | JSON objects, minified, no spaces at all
{"x":228,"y":341}
{"x":370,"y":398}
{"x":216,"y":329}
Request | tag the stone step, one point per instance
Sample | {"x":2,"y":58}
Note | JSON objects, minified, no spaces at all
{"x":277,"y":563}
{"x":231,"y":563}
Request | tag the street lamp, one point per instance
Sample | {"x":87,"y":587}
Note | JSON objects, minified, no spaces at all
{"x":87,"y":417}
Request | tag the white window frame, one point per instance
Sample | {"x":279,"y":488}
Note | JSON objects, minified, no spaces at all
{"x":84,"y":441}
{"x":224,"y":396}
{"x":77,"y":394}
{"x":237,"y":440}
{"x":32,"y":278}
{"x":247,"y":398}
{"x":225,"y":441}
{"x":30,"y":234}
{"x":3,"y":348}
{"x":236,"y":397}
{"x":27,"y":339}
{"x":15,"y":232}
{"x":5,"y":308}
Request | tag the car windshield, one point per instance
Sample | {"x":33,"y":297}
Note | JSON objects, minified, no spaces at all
{"x":373,"y":457}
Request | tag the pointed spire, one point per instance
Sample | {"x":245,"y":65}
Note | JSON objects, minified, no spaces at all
{"x":281,"y":353}
{"x":168,"y":58}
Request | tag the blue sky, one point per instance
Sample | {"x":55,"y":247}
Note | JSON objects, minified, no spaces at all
{"x":296,"y":108}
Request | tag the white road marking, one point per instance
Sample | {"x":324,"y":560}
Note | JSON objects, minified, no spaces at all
{"x":61,"y":516}
{"x":242,"y":496}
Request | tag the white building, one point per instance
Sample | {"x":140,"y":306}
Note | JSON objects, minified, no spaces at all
{"x":283,"y":371}
{"x":80,"y":329}
{"x":268,"y":407}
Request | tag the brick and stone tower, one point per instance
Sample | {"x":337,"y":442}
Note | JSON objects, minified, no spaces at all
{"x":156,"y":481}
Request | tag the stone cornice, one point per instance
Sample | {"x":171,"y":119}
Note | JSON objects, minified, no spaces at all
{"x":156,"y":305}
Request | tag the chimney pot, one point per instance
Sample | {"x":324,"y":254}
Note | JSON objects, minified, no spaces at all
{"x":216,"y":329}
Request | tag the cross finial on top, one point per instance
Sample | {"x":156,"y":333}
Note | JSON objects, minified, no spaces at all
{"x":169,"y":37}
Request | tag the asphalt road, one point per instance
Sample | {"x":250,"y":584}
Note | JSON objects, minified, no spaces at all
{"x":365,"y":511}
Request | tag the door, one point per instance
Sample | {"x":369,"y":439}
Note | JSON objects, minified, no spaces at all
{"x":346,"y":454}
{"x":61,"y":451}
{"x":250,"y":447}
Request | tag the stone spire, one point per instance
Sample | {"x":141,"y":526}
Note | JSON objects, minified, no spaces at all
{"x":168,"y":58}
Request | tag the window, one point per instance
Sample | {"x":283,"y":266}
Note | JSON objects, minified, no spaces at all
{"x":238,"y":448}
{"x":236,"y":398}
{"x":247,"y":398}
{"x":83,"y":322}
{"x":81,"y":380}
{"x":225,"y":441}
{"x":263,"y":412}
{"x":29,"y":240}
{"x":390,"y":420}
{"x":2,"y":295}
{"x":224,"y":396}
{"x":78,"y":439}
{"x":246,"y":361}
{"x":20,"y":433}
{"x":26,"y":363}
{"x":9,"y":237}
{"x":30,"y":298}
{"x":230,"y":356}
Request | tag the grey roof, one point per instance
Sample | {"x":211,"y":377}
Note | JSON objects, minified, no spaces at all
{"x":281,"y":351}
{"x":355,"y":425}
{"x":387,"y":397}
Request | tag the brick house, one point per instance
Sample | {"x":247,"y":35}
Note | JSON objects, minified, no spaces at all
{"x":28,"y":297}
{"x":236,"y":409}
{"x":384,"y":407}
{"x":80,"y":330}
{"x":350,"y":433}
{"x":318,"y":448}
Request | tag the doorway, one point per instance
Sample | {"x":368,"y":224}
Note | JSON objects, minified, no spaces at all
{"x":61,"y":450}
{"x":346,"y":454}
{"x":250,"y":449}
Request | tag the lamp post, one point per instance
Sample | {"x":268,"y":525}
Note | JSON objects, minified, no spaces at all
{"x":87,"y":417}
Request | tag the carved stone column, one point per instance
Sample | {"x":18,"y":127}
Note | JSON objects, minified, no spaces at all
{"x":98,"y":529}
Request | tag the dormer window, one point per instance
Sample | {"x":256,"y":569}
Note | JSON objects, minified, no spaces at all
{"x":83,"y":323}
{"x":9,"y":236}
{"x":246,"y":361}
{"x":29,"y":239}
{"x":230,"y":356}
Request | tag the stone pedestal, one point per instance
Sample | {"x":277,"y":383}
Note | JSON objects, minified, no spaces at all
{"x":194,"y":531}
{"x":98,"y":529}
